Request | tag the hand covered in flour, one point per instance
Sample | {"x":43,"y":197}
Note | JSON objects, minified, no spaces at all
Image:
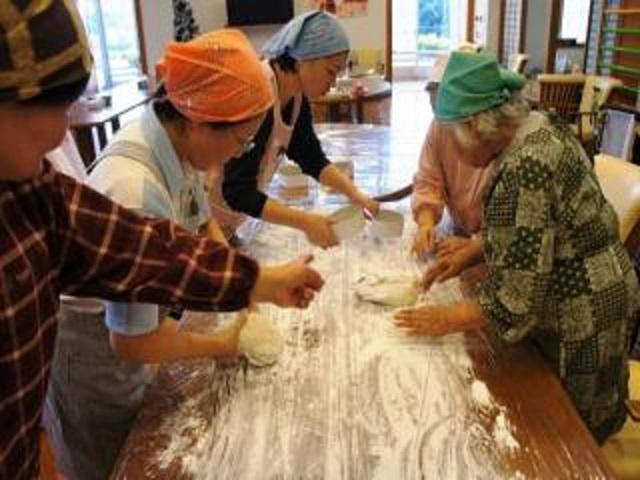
{"x":318,"y":230}
{"x":424,"y":241}
{"x":454,"y":254}
{"x":440,"y":320}
{"x":292,"y":284}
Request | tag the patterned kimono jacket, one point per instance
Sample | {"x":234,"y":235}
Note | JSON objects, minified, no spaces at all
{"x":558,"y":273}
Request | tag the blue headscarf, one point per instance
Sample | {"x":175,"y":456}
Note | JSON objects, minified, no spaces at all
{"x":312,"y":35}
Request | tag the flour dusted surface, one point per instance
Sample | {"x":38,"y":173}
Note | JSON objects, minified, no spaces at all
{"x":351,"y":396}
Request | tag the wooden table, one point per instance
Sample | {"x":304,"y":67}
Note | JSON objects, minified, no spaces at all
{"x":84,"y":119}
{"x":342,"y":405}
{"x":330,"y":107}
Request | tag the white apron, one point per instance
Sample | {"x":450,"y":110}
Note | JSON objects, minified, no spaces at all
{"x":277,"y":145}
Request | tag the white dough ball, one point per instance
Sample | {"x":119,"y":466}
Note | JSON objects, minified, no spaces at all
{"x":260,"y":341}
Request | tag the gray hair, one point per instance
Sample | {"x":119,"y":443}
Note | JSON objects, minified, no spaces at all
{"x":489,"y":122}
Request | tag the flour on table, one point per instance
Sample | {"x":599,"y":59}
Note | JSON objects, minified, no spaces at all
{"x":351,"y":396}
{"x":260,"y":341}
{"x":480,"y":394}
{"x":502,"y":432}
{"x":393,"y":291}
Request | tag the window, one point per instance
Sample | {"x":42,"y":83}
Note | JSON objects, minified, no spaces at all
{"x":424,"y":29}
{"x":434,"y":26}
{"x":512,"y":29}
{"x":113,"y":34}
{"x":575,"y":21}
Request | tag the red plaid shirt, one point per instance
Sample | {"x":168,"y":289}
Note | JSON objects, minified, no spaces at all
{"x":58,"y":236}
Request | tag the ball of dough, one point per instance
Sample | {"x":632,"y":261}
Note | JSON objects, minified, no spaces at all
{"x":260,"y":341}
{"x":393,"y":291}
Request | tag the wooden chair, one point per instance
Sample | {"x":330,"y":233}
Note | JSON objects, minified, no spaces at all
{"x":595,"y":94}
{"x":518,"y":62}
{"x":620,"y":183}
{"x":561,"y":94}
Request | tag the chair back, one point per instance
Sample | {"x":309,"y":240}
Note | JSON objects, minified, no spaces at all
{"x":620,"y":183}
{"x":561,"y":94}
{"x":594,"y":95}
{"x":518,"y":62}
{"x":367,"y":60}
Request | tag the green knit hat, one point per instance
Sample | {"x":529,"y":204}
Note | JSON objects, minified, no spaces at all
{"x":473,"y":83}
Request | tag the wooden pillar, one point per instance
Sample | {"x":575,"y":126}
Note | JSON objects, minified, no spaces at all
{"x":554,"y":28}
{"x":142,"y":46}
{"x":388,"y":44}
{"x":471,"y":15}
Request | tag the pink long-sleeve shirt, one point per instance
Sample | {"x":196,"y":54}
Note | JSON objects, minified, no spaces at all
{"x":444,"y":179}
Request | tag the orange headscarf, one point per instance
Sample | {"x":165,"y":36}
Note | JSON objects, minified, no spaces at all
{"x":217,"y":77}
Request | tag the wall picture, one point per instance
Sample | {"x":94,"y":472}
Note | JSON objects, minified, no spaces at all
{"x":342,"y":8}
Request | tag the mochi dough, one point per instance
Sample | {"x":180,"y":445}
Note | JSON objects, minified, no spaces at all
{"x":260,"y":341}
{"x":393,"y":291}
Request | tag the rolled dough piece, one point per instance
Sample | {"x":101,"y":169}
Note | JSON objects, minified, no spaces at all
{"x":260,"y":341}
{"x":393,"y":291}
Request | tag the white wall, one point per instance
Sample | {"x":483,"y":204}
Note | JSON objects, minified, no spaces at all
{"x":157,"y":23}
{"x":487,"y":24}
{"x":494,"y":25}
{"x":366,"y":31}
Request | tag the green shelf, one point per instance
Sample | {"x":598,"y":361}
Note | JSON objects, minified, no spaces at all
{"x":622,"y":30}
{"x":632,"y":90}
{"x":619,"y":68}
{"x":622,"y":11}
{"x":633,"y":50}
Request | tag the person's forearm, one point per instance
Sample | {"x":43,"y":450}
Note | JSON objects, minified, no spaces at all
{"x":166,"y":344}
{"x":426,"y":218}
{"x":159,"y":256}
{"x":477,"y":250}
{"x":276,"y":212}
{"x":469,"y":316}
{"x":333,"y":178}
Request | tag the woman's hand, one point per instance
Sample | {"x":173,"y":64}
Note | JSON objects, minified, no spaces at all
{"x":453,"y":256}
{"x":444,"y":268}
{"x":451,"y":245}
{"x":368,"y":204}
{"x":440,"y":320}
{"x":319,"y":231}
{"x":424,"y":241}
{"x":292,"y":284}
